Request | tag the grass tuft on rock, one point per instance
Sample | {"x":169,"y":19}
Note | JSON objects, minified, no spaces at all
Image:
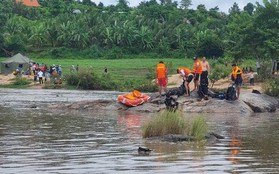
{"x":166,"y":122}
{"x":199,"y":127}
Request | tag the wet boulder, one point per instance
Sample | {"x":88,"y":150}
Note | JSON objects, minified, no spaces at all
{"x":260,"y":102}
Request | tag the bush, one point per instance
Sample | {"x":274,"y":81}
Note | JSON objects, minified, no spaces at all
{"x":219,"y":71}
{"x":271,"y":87}
{"x":114,"y":53}
{"x":106,"y":82}
{"x":88,"y":79}
{"x":147,"y":86}
{"x":56,"y":52}
{"x":92,"y":52}
{"x":167,"y":122}
{"x":19,"y":81}
{"x":265,"y":71}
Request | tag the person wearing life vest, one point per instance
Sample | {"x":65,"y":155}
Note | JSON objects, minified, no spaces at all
{"x":187,"y":76}
{"x":237,"y":78}
{"x":161,"y":77}
{"x":197,"y":72}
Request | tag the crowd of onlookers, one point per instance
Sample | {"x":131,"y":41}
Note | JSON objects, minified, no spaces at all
{"x":42,"y":72}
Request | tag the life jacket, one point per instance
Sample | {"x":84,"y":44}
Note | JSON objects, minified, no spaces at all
{"x":198,"y":69}
{"x":236,"y":71}
{"x":161,"y":70}
{"x":187,"y":71}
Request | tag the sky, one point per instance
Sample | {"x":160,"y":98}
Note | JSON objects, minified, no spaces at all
{"x":224,"y":5}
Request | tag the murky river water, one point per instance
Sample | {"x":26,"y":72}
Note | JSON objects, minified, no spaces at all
{"x":34,"y":141}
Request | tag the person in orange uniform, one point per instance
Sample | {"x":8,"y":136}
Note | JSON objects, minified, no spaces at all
{"x":197,"y":72}
{"x":161,"y":77}
{"x":187,"y":76}
{"x":237,"y":78}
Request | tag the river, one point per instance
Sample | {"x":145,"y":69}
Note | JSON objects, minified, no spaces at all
{"x":37,"y":141}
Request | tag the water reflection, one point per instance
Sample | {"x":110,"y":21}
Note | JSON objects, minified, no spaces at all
{"x":130,"y":123}
{"x":41,"y":142}
{"x":234,"y":141}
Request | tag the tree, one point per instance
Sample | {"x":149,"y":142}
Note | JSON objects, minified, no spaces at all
{"x":234,"y":9}
{"x":266,"y":29}
{"x":238,"y":41}
{"x":249,"y":8}
{"x":56,"y":7}
{"x":87,"y":2}
{"x":122,"y":5}
{"x":201,"y":8}
{"x":209,"y":44}
{"x":185,"y":4}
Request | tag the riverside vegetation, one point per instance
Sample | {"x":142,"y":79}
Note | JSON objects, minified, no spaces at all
{"x":130,"y":74}
{"x":166,"y":122}
{"x":168,"y":29}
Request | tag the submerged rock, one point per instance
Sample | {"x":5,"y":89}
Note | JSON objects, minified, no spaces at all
{"x":182,"y":138}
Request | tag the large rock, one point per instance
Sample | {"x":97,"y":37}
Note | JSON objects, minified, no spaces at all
{"x":246,"y":105}
{"x":260,"y":102}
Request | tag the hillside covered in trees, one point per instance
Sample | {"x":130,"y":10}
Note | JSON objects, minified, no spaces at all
{"x":69,"y":28}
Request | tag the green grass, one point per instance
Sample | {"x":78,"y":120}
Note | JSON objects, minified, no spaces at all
{"x":125,"y":72}
{"x":130,"y":68}
{"x":129,"y":73}
{"x":134,"y":69}
{"x":166,"y":122}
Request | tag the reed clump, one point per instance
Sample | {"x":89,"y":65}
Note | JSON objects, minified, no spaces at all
{"x":166,"y":122}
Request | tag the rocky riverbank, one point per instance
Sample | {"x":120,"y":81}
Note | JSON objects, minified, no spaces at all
{"x":99,"y":101}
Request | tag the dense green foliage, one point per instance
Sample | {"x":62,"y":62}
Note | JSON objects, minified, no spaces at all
{"x":87,"y":79}
{"x":73,"y":29}
{"x":166,"y":122}
{"x":271,"y":87}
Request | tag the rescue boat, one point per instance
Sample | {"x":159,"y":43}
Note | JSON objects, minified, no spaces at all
{"x":133,"y":99}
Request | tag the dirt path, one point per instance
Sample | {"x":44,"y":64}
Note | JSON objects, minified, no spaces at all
{"x":8,"y":79}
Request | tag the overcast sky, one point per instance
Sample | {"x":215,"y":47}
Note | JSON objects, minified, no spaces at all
{"x":223,"y":5}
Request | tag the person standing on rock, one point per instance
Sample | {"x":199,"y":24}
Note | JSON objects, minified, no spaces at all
{"x":161,"y":77}
{"x":187,"y":76}
{"x":197,"y":72}
{"x":237,"y":78}
{"x":204,"y":78}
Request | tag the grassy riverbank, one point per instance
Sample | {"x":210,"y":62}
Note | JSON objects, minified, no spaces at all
{"x":127,"y":73}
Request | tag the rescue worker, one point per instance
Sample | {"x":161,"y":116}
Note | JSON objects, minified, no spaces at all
{"x":161,"y":77}
{"x":187,"y":76}
{"x":197,"y":72}
{"x":237,"y":78}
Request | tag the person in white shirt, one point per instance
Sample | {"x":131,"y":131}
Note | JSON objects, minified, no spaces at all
{"x":40,"y":74}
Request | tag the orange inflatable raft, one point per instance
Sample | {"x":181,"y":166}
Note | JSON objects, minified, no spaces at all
{"x":133,"y":99}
